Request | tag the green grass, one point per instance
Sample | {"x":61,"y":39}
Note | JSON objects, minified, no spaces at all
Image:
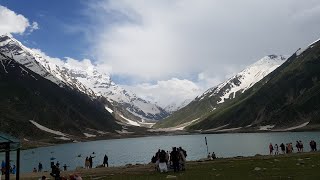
{"x":297,"y":166}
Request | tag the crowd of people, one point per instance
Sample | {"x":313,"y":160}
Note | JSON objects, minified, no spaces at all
{"x":288,"y":148}
{"x":12,"y":168}
{"x":165,"y":160}
{"x":88,"y":163}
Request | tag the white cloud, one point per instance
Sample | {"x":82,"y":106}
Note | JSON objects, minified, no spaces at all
{"x":34,"y":26}
{"x":156,"y":40}
{"x":10,"y":22}
{"x":81,"y":65}
{"x":187,"y":46}
{"x":167,"y":92}
{"x":163,"y":92}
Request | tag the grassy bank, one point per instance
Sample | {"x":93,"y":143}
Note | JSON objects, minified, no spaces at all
{"x":295,"y":166}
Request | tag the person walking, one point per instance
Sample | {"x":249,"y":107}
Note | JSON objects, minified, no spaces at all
{"x":105,"y":161}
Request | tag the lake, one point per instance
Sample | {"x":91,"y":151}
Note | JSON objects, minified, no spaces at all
{"x":140,"y":150}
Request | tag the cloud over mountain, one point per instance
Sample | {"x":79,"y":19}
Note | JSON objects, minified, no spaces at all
{"x":157,"y":40}
{"x":12,"y":22}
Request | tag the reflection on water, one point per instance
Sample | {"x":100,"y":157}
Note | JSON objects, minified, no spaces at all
{"x":140,"y":150}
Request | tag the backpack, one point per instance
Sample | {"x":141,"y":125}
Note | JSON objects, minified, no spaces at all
{"x":185,"y":153}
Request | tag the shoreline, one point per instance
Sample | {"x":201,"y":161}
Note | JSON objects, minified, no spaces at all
{"x":139,"y":170}
{"x":31,"y":144}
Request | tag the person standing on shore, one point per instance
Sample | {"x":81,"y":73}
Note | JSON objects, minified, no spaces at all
{"x":182,"y":160}
{"x":298,"y":146}
{"x":65,"y":167}
{"x":162,"y":161}
{"x":174,"y":156}
{"x":276,"y":149}
{"x":105,"y":161}
{"x":271,"y":149}
{"x":3,"y":167}
{"x":301,"y":146}
{"x":87,"y":163}
{"x":40,"y":167}
{"x":90,"y":161}
{"x":283,"y":149}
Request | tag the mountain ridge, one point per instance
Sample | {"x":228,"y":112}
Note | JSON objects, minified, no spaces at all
{"x":123,"y":102}
{"x":211,"y":99}
{"x":28,"y":97}
{"x":286,"y":99}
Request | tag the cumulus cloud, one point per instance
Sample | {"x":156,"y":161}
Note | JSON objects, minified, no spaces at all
{"x":175,"y":49}
{"x":163,"y":92}
{"x":14,"y":23}
{"x":172,"y":91}
{"x":155,"y":40}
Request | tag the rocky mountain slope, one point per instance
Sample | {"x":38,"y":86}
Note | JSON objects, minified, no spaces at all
{"x":40,"y":106}
{"x":214,"y":97}
{"x":286,"y":99}
{"x":123,"y":104}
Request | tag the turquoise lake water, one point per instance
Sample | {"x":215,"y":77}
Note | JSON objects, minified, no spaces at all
{"x":140,"y":150}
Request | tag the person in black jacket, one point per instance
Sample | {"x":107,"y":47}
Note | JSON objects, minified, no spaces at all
{"x":55,"y":172}
{"x":105,"y":161}
{"x":90,"y":161}
{"x":174,"y":156}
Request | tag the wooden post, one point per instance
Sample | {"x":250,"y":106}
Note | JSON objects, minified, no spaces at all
{"x":18,"y":165}
{"x":7,"y":176}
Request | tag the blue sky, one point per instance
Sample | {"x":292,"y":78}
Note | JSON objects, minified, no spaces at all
{"x":54,"y":18}
{"x":170,"y":50}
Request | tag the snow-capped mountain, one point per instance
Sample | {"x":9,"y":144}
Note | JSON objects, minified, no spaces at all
{"x":245,"y":79}
{"x":176,"y":106}
{"x":89,"y":81}
{"x":286,"y":99}
{"x":38,"y":64}
{"x":210,"y":100}
{"x":34,"y":107}
{"x":102,"y":85}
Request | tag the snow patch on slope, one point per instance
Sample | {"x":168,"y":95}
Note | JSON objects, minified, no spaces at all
{"x":89,"y":135}
{"x":179,"y":127}
{"x":63,"y":138}
{"x":230,"y":129}
{"x":130,"y":122}
{"x":266,"y":127}
{"x":108,"y":109}
{"x":47,"y":129}
{"x":215,"y":129}
{"x":295,"y":127}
